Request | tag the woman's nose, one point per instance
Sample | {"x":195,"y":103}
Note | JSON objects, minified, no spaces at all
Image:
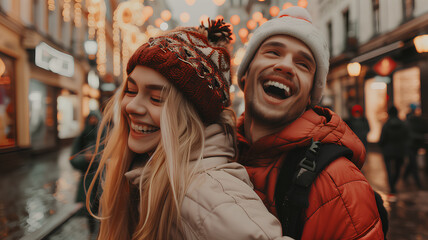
{"x":136,"y":106}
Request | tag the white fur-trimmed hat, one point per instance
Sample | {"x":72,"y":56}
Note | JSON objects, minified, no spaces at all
{"x":295,"y":22}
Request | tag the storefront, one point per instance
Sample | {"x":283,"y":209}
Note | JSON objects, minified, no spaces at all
{"x":7,"y":102}
{"x":54,"y":102}
{"x":43,"y":121}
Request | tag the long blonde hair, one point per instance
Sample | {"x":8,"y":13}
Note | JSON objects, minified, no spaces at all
{"x":165,"y":178}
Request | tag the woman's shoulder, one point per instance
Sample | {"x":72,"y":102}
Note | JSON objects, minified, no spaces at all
{"x":221,"y":198}
{"x":220,"y":184}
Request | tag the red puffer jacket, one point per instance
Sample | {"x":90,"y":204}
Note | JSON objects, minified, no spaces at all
{"x":341,"y":201}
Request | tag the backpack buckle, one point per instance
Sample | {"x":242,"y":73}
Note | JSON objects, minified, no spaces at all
{"x":306,"y":174}
{"x":308,"y":164}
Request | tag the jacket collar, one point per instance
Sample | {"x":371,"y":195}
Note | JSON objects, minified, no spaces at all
{"x":218,"y":147}
{"x":320,"y":124}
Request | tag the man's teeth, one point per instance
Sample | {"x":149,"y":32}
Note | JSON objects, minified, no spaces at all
{"x":278,"y":85}
{"x":143,"y":129}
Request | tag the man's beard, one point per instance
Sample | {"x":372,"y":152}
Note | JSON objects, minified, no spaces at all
{"x":261,"y":117}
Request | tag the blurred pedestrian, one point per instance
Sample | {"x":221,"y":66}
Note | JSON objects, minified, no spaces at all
{"x":82,"y":152}
{"x":166,"y":165}
{"x":417,"y":130}
{"x":393,"y":142}
{"x":359,"y":124}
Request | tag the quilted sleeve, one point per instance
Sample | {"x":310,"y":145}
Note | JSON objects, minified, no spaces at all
{"x":224,"y":207}
{"x":342,"y":205}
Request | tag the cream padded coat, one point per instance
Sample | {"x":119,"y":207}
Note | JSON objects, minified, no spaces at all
{"x":221,"y":203}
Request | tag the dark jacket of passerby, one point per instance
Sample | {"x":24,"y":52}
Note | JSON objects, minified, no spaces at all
{"x":417,"y":129}
{"x":394,"y":136}
{"x":359,"y":124}
{"x":81,"y":155}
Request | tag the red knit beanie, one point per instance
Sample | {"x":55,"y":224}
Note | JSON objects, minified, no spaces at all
{"x":357,"y":109}
{"x":195,"y":61}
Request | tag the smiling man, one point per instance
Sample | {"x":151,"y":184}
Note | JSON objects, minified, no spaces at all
{"x":283,"y":75}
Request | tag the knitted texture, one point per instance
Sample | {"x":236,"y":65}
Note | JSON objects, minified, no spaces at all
{"x":295,"y":22}
{"x":196,"y":62}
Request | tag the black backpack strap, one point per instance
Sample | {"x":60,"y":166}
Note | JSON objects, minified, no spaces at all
{"x":298,"y":172}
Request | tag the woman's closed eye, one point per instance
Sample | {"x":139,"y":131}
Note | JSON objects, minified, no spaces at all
{"x":157,"y":99}
{"x":131,"y":92}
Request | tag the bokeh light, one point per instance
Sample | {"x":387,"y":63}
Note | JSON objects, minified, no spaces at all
{"x":184,"y":17}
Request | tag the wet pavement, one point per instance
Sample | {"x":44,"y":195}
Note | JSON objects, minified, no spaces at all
{"x":32,"y":194}
{"x":37,"y":191}
{"x":408,"y":214}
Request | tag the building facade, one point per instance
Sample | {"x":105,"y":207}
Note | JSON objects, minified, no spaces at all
{"x":47,"y":82}
{"x":378,"y":34}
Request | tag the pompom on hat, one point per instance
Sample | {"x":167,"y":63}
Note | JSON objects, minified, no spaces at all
{"x":196,"y":61}
{"x":295,"y":22}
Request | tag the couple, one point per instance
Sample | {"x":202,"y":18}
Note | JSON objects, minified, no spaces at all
{"x":169,"y":166}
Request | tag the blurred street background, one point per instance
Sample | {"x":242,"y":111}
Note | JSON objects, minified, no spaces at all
{"x":61,"y":59}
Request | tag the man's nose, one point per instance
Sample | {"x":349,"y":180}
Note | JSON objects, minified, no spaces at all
{"x":285,"y":66}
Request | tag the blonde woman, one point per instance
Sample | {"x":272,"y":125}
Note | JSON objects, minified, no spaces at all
{"x":167,"y":163}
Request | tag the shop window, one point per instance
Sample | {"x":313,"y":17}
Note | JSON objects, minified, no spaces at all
{"x":68,"y":124}
{"x":407,"y":90}
{"x":376,"y":106}
{"x":7,"y":102}
{"x":43,"y":123}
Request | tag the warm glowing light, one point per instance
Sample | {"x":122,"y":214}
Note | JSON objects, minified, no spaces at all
{"x":302,"y":3}
{"x":243,"y":33}
{"x":147,"y":11}
{"x":93,"y":79}
{"x":219,"y":2}
{"x":78,"y":13}
{"x":126,"y":15}
{"x":354,"y":69}
{"x":2,"y":67}
{"x":204,"y":19}
{"x":235,"y":19}
{"x":251,"y":24}
{"x":91,"y":47}
{"x":421,"y":43}
{"x":66,"y":11}
{"x":239,"y":55}
{"x":190,"y":2}
{"x":166,"y":15}
{"x":274,"y":10}
{"x":152,"y":31}
{"x":250,"y":35}
{"x":257,"y":16}
{"x":263,"y":21}
{"x":96,"y":30}
{"x":233,"y":39}
{"x":158,"y":22}
{"x":51,"y":5}
{"x":164,"y":26}
{"x":378,"y":85}
{"x":287,"y":5}
{"x":184,"y":17}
